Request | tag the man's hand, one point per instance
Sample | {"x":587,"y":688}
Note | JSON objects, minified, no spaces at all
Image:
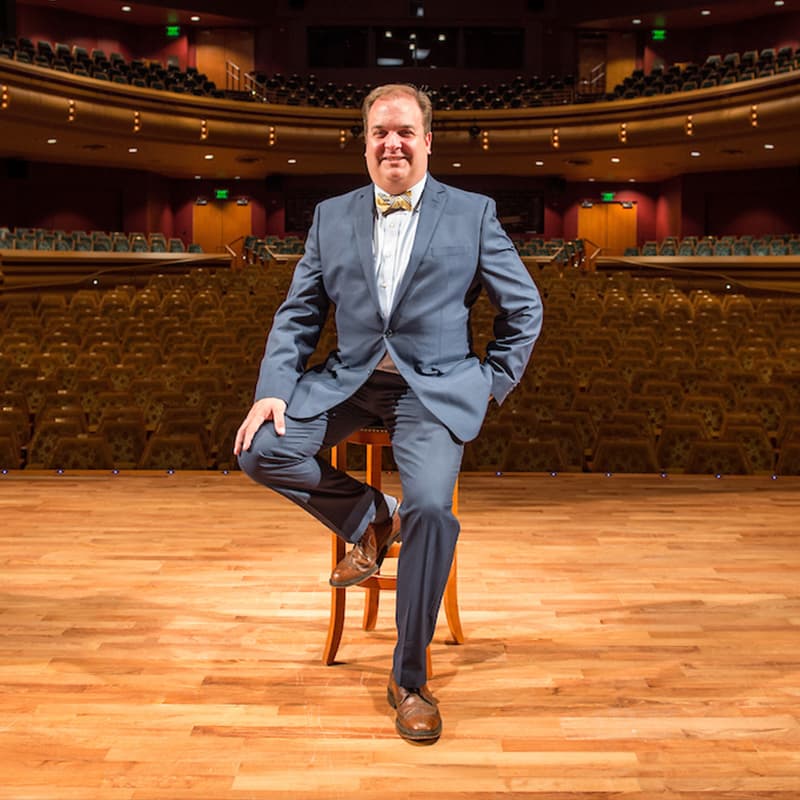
{"x":268,"y":408}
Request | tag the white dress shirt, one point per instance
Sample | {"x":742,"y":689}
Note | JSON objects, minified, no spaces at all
{"x":392,"y":241}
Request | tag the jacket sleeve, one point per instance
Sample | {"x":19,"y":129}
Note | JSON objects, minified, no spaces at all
{"x":514,"y":295}
{"x":297,"y":325}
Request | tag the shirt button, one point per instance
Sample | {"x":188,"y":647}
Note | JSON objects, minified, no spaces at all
{"x":389,"y":332}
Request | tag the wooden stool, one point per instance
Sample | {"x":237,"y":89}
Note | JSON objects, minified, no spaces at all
{"x":375,"y":440}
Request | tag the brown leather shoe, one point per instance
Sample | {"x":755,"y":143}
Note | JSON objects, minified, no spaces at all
{"x":367,"y":555}
{"x":418,"y":718}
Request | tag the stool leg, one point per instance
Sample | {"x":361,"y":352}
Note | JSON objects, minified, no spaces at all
{"x":338,"y":596}
{"x":450,"y":603}
{"x":450,"y":600}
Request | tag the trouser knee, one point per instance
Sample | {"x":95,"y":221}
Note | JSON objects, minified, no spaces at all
{"x":266,"y":461}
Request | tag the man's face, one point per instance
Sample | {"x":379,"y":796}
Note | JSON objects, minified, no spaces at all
{"x":397,"y":148}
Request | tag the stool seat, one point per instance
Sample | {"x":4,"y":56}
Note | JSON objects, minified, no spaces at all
{"x":375,"y":439}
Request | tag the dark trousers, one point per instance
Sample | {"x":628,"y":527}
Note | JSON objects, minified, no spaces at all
{"x":428,"y":459}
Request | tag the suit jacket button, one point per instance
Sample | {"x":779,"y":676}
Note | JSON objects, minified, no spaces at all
{"x":388,"y":333}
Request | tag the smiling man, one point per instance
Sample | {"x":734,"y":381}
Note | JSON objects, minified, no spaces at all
{"x":402,"y":261}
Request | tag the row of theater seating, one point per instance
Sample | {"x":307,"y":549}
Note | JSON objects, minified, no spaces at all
{"x":146,"y":74}
{"x":529,"y":92}
{"x":744,"y":245}
{"x":520,"y":92}
{"x":633,"y":375}
{"x":295,"y":89}
{"x":715,"y":71}
{"x":21,"y":238}
{"x":630,"y":375}
{"x":260,"y":249}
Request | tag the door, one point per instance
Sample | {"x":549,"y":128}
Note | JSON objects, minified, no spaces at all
{"x":610,"y":226}
{"x":221,"y":222}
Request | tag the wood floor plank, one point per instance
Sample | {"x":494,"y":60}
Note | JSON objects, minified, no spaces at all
{"x":626,"y":637}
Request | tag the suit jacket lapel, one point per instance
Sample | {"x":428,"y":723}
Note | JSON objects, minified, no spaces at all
{"x":363,"y":225}
{"x":430,"y":211}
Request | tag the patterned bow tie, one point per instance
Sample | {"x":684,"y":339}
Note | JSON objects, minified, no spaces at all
{"x":387,"y":203}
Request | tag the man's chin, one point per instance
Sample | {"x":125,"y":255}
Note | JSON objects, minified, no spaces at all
{"x":398,"y":171}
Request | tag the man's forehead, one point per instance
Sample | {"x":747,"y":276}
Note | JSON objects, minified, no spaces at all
{"x":378,"y":125}
{"x":407,"y":108}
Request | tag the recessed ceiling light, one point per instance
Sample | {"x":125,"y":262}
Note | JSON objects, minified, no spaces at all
{"x":706,"y":12}
{"x":126,"y":9}
{"x":615,"y":159}
{"x":237,"y":177}
{"x":631,"y":180}
{"x":194,"y":18}
{"x":695,"y":154}
{"x":769,"y":146}
{"x":209,"y":156}
{"x":52,"y":141}
{"x":291,"y":161}
{"x":636,"y":21}
{"x":540,"y":163}
{"x":197,"y":177}
{"x":456,"y":163}
{"x":779,"y":3}
{"x":592,"y":180}
{"x":133,"y":149}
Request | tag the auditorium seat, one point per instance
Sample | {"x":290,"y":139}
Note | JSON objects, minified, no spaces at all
{"x":488,"y":451}
{"x":174,"y":452}
{"x":718,"y":458}
{"x":710,"y":409}
{"x":670,"y":390}
{"x":789,"y":459}
{"x":42,"y":446}
{"x":533,"y":455}
{"x":82,"y":452}
{"x":755,"y":442}
{"x":10,"y":454}
{"x":634,"y":455}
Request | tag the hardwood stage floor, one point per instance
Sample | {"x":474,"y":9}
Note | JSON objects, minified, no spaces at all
{"x":626,"y":637}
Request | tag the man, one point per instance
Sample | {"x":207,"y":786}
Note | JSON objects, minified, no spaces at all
{"x":402,"y":277}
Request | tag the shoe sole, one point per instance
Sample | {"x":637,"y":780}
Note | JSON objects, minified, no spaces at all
{"x":412,"y":736}
{"x":378,"y":563}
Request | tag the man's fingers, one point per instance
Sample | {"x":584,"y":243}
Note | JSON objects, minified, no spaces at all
{"x":238,"y":444}
{"x":260,"y":413}
{"x":278,"y":421}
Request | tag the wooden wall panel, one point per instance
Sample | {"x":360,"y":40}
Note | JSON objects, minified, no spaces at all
{"x":217,"y":47}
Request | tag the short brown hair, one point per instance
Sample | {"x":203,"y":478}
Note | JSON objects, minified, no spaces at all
{"x":423,"y":101}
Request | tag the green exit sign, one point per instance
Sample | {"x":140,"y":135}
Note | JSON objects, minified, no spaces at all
{"x":173,"y":31}
{"x":658,"y":34}
{"x":222,"y":194}
{"x":607,"y":197}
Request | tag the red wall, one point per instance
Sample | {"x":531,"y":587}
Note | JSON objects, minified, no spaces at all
{"x":130,"y":41}
{"x":695,"y":45}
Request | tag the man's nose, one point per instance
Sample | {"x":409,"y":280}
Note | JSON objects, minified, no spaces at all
{"x":392,"y":141}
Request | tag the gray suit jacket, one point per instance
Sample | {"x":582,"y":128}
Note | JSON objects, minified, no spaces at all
{"x":459,"y":248}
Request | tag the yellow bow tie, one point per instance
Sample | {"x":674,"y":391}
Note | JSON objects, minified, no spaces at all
{"x":387,"y":203}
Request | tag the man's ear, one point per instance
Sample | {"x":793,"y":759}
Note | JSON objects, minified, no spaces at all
{"x":428,"y":139}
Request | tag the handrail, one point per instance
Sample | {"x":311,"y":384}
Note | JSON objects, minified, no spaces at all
{"x":591,"y":257}
{"x":233,"y":76}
